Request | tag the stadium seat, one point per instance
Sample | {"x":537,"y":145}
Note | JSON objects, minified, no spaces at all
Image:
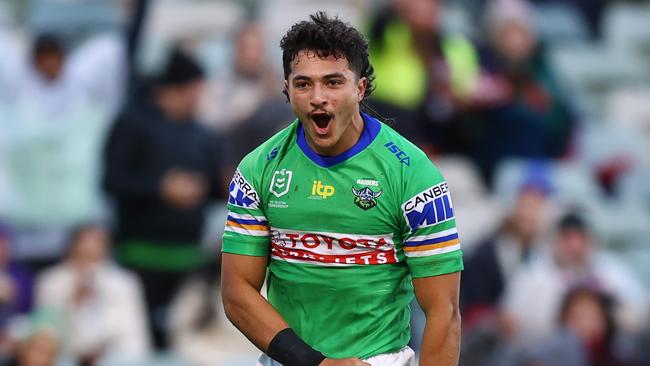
{"x":571,"y":185}
{"x":589,"y":71}
{"x":629,"y":107}
{"x":455,"y":19}
{"x":173,"y":19}
{"x":623,"y":152}
{"x":559,"y":22}
{"x":599,"y":145}
{"x":278,"y":15}
{"x":74,"y":18}
{"x":638,"y":258}
{"x":6,"y":11}
{"x":208,"y":25}
{"x":633,"y":189}
{"x":626,"y":26}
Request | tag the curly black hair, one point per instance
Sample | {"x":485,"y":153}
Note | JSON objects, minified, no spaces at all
{"x":328,"y":37}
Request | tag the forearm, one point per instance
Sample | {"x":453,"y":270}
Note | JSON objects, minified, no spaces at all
{"x":441,"y":340}
{"x":252,"y":314}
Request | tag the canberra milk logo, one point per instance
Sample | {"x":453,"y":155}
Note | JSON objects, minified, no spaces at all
{"x":242,"y":193}
{"x":429,"y":207}
{"x":321,"y":191}
{"x":281,"y":182}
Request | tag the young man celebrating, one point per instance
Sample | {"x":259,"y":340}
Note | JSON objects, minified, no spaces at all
{"x":349,"y":218}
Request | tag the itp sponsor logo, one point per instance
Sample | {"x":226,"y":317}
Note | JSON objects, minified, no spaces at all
{"x":429,"y":207}
{"x":322,"y":190}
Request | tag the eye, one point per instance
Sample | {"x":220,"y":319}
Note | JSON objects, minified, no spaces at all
{"x":334,"y":82}
{"x":300,"y":84}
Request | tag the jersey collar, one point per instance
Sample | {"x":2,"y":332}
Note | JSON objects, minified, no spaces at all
{"x":371,"y":129}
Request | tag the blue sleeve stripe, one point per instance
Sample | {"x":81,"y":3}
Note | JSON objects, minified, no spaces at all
{"x":247,"y":222}
{"x":431,"y":241}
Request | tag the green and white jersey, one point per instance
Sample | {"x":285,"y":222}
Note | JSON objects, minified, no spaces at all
{"x":345,"y":235}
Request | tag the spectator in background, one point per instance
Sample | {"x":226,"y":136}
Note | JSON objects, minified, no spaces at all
{"x":246,"y":104}
{"x":587,"y":334}
{"x":425,"y":74}
{"x":232,"y":99}
{"x":162,"y":169}
{"x":15,"y":292}
{"x":491,"y":267}
{"x":574,"y":260}
{"x":529,"y":116}
{"x":100,"y":304}
{"x":56,"y":104}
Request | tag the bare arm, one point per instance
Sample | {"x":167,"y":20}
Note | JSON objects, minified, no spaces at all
{"x":438,"y":297}
{"x":241,"y":280}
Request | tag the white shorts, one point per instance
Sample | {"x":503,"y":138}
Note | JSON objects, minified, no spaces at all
{"x":404,"y":357}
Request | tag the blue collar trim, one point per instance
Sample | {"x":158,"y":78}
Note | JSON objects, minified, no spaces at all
{"x":371,"y":129}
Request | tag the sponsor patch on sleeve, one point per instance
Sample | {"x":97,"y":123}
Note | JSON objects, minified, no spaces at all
{"x":429,"y":207}
{"x":242,"y":193}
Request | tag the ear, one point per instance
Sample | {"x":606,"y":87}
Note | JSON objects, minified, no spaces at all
{"x":362,"y":84}
{"x":285,"y":91}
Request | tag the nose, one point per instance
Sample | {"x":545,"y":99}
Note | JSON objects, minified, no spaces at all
{"x":318,"y":97}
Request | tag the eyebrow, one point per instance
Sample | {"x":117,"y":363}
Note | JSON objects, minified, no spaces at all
{"x":328,"y":76}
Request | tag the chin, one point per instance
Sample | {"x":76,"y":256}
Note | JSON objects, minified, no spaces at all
{"x":324,"y":143}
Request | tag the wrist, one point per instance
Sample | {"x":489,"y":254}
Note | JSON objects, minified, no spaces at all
{"x":288,"y":349}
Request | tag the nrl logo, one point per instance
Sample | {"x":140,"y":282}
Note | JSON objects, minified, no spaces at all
{"x":365,"y":198}
{"x":280,"y":182}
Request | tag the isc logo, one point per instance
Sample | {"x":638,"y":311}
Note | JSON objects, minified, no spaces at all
{"x":321,"y":190}
{"x":399,"y":154}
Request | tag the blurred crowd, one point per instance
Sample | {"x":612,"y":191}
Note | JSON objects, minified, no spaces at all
{"x":123,"y":121}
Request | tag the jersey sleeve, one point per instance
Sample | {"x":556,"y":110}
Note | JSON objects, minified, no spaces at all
{"x":430,"y":237}
{"x":247,"y":229}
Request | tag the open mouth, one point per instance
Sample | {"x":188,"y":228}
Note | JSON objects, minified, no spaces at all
{"x":322,"y":121}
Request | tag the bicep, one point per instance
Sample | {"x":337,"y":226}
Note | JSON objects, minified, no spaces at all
{"x":243,"y":269}
{"x":437,"y":292}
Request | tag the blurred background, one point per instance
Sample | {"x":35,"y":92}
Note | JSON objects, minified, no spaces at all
{"x":123,"y":120}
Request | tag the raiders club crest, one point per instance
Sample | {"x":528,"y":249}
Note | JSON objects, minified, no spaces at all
{"x":365,"y":197}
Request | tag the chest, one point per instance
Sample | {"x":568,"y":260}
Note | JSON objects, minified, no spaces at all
{"x":352,"y":198}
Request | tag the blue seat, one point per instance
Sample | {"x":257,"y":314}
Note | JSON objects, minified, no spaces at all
{"x":559,"y":23}
{"x":73,"y":17}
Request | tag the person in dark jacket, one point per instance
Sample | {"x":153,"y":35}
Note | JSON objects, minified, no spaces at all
{"x":162,"y":169}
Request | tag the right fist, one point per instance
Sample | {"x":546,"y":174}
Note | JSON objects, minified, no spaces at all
{"x":343,"y":362}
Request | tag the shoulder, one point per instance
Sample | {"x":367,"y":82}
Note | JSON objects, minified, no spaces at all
{"x":409,"y":165}
{"x":402,"y":152}
{"x":257,"y":161}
